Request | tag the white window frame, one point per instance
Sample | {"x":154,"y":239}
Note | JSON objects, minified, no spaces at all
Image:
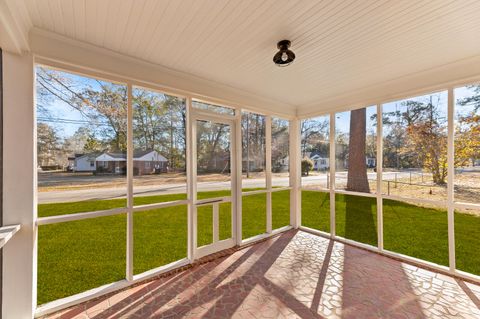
{"x":450,"y":204}
{"x":130,"y":209}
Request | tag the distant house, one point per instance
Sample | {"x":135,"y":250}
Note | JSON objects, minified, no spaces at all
{"x":320,"y":163}
{"x":85,"y":162}
{"x":148,"y":162}
{"x":280,"y":165}
{"x":370,"y":162}
{"x":144,"y":162}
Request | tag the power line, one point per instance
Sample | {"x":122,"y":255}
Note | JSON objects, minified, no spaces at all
{"x":70,"y":121}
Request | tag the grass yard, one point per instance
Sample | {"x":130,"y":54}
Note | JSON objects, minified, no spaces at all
{"x":407,"y":229}
{"x":81,"y":255}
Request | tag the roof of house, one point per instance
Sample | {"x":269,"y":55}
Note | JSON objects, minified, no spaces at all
{"x":140,"y":153}
{"x":88,"y":155}
{"x":119,"y":155}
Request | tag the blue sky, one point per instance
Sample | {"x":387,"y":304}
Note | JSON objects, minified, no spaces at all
{"x":61,"y":111}
{"x":58,"y":109}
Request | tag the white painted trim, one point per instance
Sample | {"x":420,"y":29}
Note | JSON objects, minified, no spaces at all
{"x":254,"y":239}
{"x":211,"y":201}
{"x":332,"y":173}
{"x":268,"y":170}
{"x":316,"y":232}
{"x":130,"y":203}
{"x":237,"y":200}
{"x":326,"y":191}
{"x":451,"y":179}
{"x":259,"y":237}
{"x":258,"y":191}
{"x":213,"y":248}
{"x":295,"y":173}
{"x":19,"y":186}
{"x":147,"y":207}
{"x":279,"y":189}
{"x":215,"y":224}
{"x":216,"y":245}
{"x":416,"y":200}
{"x":79,"y":216}
{"x":66,"y":302}
{"x":297,"y":209}
{"x":160,"y":270}
{"x":206,"y":115}
{"x":281,"y":230}
{"x":7,"y":233}
{"x":344,"y":192}
{"x":379,"y":176}
{"x":191,"y":167}
{"x":101,"y":213}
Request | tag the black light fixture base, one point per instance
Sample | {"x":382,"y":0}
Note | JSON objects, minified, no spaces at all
{"x":284,"y":45}
{"x":285,"y":56}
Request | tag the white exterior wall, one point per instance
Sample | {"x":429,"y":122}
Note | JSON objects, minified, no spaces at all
{"x":20,"y":180}
{"x":82,"y":164}
{"x":317,"y":163}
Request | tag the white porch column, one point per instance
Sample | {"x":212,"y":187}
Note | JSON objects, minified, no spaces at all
{"x":20,"y":179}
{"x":295,"y":174}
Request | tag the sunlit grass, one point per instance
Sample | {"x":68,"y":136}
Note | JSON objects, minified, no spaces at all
{"x":408,"y":229}
{"x":81,"y":255}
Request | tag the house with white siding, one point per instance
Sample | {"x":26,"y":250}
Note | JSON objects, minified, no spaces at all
{"x":144,"y":162}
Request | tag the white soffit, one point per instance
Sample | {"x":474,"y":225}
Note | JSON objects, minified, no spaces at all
{"x":342,"y":46}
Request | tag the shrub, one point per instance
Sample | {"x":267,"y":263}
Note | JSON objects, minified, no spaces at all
{"x":307,"y":166}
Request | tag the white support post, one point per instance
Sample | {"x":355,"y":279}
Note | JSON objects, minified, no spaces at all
{"x":379,"y":176}
{"x":451,"y":180}
{"x":19,"y":186}
{"x":215,"y":208}
{"x":268,"y":170}
{"x":237,"y":202}
{"x":129,"y":265}
{"x":295,"y":173}
{"x":191,"y":181}
{"x":332,"y":174}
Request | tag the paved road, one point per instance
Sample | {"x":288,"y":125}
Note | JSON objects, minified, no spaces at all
{"x":111,"y":193}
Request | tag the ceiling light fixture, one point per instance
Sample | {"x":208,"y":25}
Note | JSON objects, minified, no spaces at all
{"x":285,"y":56}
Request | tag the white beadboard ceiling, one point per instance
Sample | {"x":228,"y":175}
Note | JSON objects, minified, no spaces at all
{"x":341,"y":45}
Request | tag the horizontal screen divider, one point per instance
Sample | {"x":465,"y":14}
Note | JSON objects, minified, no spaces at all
{"x":210,"y":201}
{"x":416,"y":200}
{"x":327,"y":191}
{"x":80,"y":216}
{"x":279,"y":189}
{"x":142,"y":208}
{"x":372,"y":195}
{"x":260,"y":191}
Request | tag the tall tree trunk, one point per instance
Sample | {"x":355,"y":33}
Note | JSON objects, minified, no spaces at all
{"x":357,"y":167}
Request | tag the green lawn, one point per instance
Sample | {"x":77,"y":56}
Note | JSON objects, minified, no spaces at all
{"x":80,"y":255}
{"x":407,"y":229}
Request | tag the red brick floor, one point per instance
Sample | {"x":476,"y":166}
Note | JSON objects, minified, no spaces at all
{"x":295,"y":275}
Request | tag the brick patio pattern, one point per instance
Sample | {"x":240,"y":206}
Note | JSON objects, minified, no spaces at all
{"x":293,"y":275}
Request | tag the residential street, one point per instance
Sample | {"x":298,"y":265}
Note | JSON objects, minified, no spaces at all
{"x":58,"y":196}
